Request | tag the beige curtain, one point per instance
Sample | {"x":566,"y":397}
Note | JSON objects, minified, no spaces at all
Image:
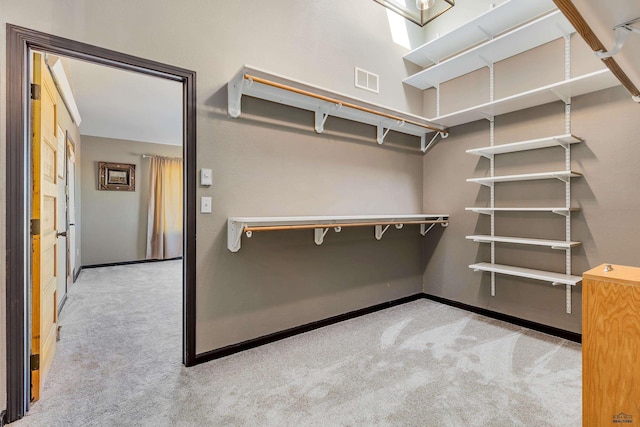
{"x":164,"y":226}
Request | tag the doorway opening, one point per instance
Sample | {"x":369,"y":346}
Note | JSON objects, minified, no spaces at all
{"x":20,"y":43}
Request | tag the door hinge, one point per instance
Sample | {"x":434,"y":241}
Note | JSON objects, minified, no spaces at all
{"x":34,"y":361}
{"x":35,"y":227}
{"x":35,"y":91}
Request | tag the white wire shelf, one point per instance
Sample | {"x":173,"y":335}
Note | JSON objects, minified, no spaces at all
{"x":237,"y":226}
{"x":560,"y":91}
{"x":488,"y":211}
{"x":547,"y":276}
{"x":561,"y":175}
{"x":532,"y":144}
{"x":533,"y":34}
{"x":257,"y":83}
{"x":484,"y":27}
{"x":553,"y":244}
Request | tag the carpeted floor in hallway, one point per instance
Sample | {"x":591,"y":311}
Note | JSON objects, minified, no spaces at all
{"x":419,"y":364}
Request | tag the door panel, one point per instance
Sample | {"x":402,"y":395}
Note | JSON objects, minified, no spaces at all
{"x":62,"y":264}
{"x":71,"y":212}
{"x":44,"y":209}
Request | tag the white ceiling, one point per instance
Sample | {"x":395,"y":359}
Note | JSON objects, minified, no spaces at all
{"x":602,"y":16}
{"x":126,"y":105}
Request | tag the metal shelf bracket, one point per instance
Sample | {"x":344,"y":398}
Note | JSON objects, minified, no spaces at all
{"x":235,"y":232}
{"x":382,"y":133}
{"x":622,"y":33}
{"x":321,"y":119}
{"x":381,"y":229}
{"x":423,"y":139}
{"x":424,"y":229}
{"x":318,"y":235}
{"x":235,"y":95}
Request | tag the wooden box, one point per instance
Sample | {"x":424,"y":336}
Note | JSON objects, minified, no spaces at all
{"x":611,"y":346}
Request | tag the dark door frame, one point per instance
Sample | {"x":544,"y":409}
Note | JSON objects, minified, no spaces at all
{"x":19,"y":43}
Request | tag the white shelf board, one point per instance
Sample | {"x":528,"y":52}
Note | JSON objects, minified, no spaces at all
{"x":486,"y":26}
{"x":533,"y":144}
{"x":239,"y":86}
{"x":487,"y":211}
{"x":236,"y":225}
{"x":587,"y":83}
{"x":533,"y":34}
{"x":554,"y":244}
{"x":329,"y":219}
{"x":561,"y":175}
{"x":547,"y":276}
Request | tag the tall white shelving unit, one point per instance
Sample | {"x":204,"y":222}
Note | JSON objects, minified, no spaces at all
{"x":504,"y":31}
{"x":555,"y":278}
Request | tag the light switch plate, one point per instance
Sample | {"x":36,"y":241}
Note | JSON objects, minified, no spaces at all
{"x":206,"y":177}
{"x":205,"y":205}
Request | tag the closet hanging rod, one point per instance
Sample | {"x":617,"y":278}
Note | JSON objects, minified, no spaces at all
{"x":325,"y":225}
{"x":336,"y":101}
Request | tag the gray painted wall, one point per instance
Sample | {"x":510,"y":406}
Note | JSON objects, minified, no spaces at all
{"x":114,"y":226}
{"x":269,"y":161}
{"x":609,"y":202}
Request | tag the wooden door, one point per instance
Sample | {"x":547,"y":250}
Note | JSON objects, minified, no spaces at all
{"x":43,"y":228}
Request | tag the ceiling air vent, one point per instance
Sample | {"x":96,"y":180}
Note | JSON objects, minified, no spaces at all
{"x":366,"y":80}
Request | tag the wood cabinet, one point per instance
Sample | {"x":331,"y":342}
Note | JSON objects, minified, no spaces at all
{"x":611,"y":346}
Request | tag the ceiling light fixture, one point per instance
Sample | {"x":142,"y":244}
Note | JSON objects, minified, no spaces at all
{"x":425,"y":4}
{"x":419,"y":12}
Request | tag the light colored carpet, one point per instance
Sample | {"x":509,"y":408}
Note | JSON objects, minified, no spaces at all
{"x":418,"y":364}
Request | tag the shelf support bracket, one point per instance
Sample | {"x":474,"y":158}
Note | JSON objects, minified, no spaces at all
{"x":622,"y":33}
{"x":485,"y":32}
{"x":562,"y":97}
{"x":380,"y":230}
{"x":485,"y":60}
{"x":234,"y":231}
{"x":561,"y":212}
{"x":424,"y":229}
{"x":318,"y":235}
{"x":485,"y":116}
{"x":235,"y":87}
{"x":424,"y":147}
{"x":382,"y":133}
{"x":431,"y":58}
{"x":321,"y":119}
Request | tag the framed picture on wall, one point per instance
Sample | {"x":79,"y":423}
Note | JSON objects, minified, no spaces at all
{"x":117,"y":176}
